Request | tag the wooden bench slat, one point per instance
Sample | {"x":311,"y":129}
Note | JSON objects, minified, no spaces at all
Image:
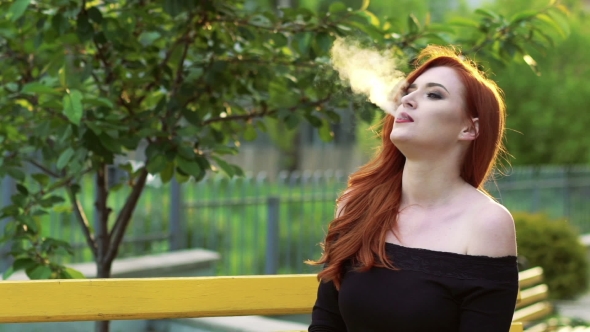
{"x":530,"y":277}
{"x":516,"y":327}
{"x":532,"y":295}
{"x":114,"y":299}
{"x":155,"y":298}
{"x":532,"y":312}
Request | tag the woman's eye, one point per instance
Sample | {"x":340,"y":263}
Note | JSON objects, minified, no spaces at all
{"x":434,"y":95}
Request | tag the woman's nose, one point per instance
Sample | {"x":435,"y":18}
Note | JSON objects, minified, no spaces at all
{"x":408,"y":101}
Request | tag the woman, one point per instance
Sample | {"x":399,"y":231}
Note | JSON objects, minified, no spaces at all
{"x":417,"y":244}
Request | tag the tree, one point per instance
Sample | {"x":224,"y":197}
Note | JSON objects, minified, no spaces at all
{"x":547,"y":120}
{"x":181,"y":82}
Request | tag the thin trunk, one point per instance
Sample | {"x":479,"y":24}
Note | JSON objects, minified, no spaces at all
{"x":102,"y":271}
{"x":102,"y":326}
{"x":102,"y":239}
{"x":108,"y":243}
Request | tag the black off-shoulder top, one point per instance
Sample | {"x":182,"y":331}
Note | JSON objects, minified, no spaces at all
{"x":430,"y":291}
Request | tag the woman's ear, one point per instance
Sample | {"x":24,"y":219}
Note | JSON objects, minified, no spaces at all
{"x":470,"y":131}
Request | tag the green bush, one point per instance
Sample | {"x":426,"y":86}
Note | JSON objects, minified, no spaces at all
{"x":554,"y":245}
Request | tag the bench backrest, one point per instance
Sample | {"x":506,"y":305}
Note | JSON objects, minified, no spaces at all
{"x":157,"y":298}
{"x":532,"y":301}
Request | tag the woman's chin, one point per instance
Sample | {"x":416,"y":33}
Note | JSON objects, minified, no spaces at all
{"x":399,"y":139}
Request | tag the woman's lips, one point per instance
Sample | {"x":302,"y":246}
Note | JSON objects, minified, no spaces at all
{"x":403,"y":118}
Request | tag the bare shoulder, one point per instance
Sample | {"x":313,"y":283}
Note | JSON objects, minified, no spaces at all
{"x":492,"y":231}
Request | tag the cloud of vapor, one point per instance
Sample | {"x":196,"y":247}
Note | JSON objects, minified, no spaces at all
{"x":369,"y":72}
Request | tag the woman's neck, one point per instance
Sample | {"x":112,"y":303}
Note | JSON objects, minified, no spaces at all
{"x":430,"y":184}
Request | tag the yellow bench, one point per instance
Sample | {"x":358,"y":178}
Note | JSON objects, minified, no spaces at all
{"x":158,"y":298}
{"x":532,"y":301}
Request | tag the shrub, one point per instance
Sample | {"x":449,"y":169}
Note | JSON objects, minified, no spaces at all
{"x":555,"y":246}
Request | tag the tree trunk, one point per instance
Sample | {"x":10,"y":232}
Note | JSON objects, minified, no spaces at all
{"x":103,"y":266}
{"x":103,"y":270}
{"x":108,"y":242}
{"x":102,"y":326}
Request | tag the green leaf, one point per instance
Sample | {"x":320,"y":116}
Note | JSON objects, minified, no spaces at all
{"x":552,"y":23}
{"x":16,"y":173}
{"x":73,"y":274}
{"x":203,"y":162}
{"x":147,"y":38}
{"x":23,"y":264}
{"x":370,"y":17}
{"x":487,"y":13}
{"x":292,"y":121}
{"x":39,"y":272}
{"x":326,"y":133}
{"x":322,"y":43}
{"x":225,"y":166}
{"x":250,"y":133}
{"x":157,"y":164}
{"x":463,"y":22}
{"x":84,"y":30}
{"x":313,"y":120}
{"x":38,"y":88}
{"x":173,"y":7}
{"x":7,"y":273}
{"x":186,"y":152}
{"x":190,"y":167}
{"x":51,"y":200}
{"x":281,"y":95}
{"x":73,"y":106}
{"x":17,"y":9}
{"x":22,"y":189}
{"x":337,"y":7}
{"x":413,"y":24}
{"x":167,"y":173}
{"x":95,"y":15}
{"x":561,"y":19}
{"x":334,"y":117}
{"x":365,"y":4}
{"x":522,"y":16}
{"x":100,"y":101}
{"x":64,"y":158}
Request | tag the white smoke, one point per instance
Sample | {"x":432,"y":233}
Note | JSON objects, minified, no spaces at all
{"x":369,"y":72}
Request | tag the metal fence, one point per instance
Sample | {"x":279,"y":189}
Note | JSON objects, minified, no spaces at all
{"x":262,"y":225}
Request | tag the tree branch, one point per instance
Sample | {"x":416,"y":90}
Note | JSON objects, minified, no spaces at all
{"x":124,"y":217}
{"x":83,"y":220}
{"x":264,"y":112}
{"x":169,"y":53}
{"x":43,"y":168}
{"x":101,"y":227}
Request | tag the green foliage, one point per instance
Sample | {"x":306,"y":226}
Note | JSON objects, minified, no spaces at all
{"x":555,"y":246}
{"x":547,"y":115}
{"x":85,"y":84}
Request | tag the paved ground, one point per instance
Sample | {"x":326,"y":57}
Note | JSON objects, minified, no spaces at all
{"x":579,"y":308}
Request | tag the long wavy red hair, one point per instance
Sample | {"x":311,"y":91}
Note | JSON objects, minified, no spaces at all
{"x":372,"y":198}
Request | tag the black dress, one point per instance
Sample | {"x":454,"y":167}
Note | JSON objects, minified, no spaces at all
{"x":431,"y":291}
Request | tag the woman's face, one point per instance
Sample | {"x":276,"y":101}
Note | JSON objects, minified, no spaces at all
{"x":431,"y":114}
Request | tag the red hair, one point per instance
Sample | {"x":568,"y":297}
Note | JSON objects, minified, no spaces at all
{"x":373,"y":196}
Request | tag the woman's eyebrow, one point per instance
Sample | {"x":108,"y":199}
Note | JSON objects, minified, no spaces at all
{"x":413,"y":86}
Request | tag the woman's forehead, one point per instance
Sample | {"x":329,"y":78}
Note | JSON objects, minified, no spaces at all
{"x":442,"y":75}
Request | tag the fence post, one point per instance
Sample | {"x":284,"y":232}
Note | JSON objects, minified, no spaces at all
{"x":176,"y":236}
{"x":536,"y":177}
{"x":272,"y":236}
{"x":8,"y":186}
